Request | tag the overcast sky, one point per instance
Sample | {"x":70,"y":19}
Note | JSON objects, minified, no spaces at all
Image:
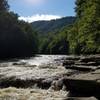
{"x":33,"y":10}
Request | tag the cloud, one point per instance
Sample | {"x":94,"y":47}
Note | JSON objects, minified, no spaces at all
{"x":39,"y":17}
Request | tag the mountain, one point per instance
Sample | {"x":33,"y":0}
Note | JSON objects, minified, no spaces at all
{"x":45,"y":27}
{"x":52,"y":35}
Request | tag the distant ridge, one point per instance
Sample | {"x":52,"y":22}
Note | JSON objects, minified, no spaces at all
{"x":45,"y":27}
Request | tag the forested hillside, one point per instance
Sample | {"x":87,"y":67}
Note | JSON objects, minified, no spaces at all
{"x":50,"y":39}
{"x":70,"y":36}
{"x":45,"y":27}
{"x":84,"y":36}
{"x":17,"y":38}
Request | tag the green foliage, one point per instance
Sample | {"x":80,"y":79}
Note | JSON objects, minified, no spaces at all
{"x":59,"y":44}
{"x":17,"y":38}
{"x":31,"y":36}
{"x":45,"y":27}
{"x":52,"y":35}
{"x":84,"y":37}
{"x":61,"y":36}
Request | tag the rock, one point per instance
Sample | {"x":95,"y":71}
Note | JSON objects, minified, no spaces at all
{"x":79,"y":86}
{"x":57,"y":85}
{"x":19,"y":83}
{"x":46,"y":84}
{"x":64,"y":88}
{"x":92,"y":58}
{"x":68,"y":62}
{"x":86,"y":84}
{"x":82,"y":63}
{"x":54,"y":86}
{"x":87,"y":64}
{"x":93,"y":63}
{"x":81,"y":68}
{"x":81,"y":98}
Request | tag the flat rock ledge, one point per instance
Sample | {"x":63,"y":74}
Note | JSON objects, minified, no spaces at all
{"x":86,"y":81}
{"x":81,"y":98}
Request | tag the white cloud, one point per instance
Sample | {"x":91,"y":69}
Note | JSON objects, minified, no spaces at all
{"x":39,"y":17}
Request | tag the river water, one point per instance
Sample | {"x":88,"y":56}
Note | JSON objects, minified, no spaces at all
{"x":44,"y":59}
{"x":19,"y":78}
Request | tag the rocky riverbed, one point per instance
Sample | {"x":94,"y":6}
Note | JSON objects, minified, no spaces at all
{"x":32,"y":79}
{"x":51,"y":77}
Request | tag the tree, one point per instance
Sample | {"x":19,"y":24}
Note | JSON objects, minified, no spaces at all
{"x":17,"y":38}
{"x":4,"y":5}
{"x":88,"y":26}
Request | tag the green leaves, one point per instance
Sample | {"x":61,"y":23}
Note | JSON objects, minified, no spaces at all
{"x":87,"y":36}
{"x":17,"y":38}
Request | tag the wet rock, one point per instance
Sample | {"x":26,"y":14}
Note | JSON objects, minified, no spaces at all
{"x":81,"y":68}
{"x":87,"y":84}
{"x":87,"y":64}
{"x":14,"y":82}
{"x":57,"y":85}
{"x":92,"y":58}
{"x":81,"y":98}
{"x":68,"y":62}
{"x":79,"y":87}
{"x":93,"y":63}
{"x":46,"y":84}
{"x":83,"y":63}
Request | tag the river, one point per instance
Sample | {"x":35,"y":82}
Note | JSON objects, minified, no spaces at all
{"x":31,"y":79}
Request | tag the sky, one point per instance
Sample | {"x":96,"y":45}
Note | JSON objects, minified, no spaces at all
{"x":33,"y":10}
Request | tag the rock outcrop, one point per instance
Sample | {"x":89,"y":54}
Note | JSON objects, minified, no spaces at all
{"x":86,"y":81}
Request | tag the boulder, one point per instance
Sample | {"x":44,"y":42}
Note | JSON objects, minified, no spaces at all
{"x":57,"y":85}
